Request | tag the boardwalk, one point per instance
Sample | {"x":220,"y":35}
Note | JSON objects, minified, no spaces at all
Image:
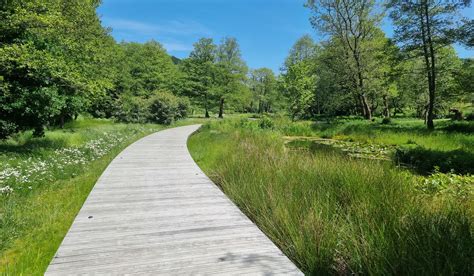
{"x":153,"y":211}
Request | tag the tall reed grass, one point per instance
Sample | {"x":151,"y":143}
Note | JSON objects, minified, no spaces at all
{"x":332,"y":214}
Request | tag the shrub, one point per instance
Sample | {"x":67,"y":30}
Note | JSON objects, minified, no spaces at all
{"x":386,"y":121}
{"x":165,"y":108}
{"x":132,"y":110}
{"x":266,"y":123}
{"x":470,"y":117}
{"x":161,"y":108}
{"x":183,"y":107}
{"x":6,"y":129}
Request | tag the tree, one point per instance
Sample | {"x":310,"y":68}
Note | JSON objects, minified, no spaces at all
{"x":304,"y":49}
{"x":231,"y":71}
{"x":264,"y":87}
{"x":200,"y":71}
{"x":464,"y":78}
{"x":424,"y":27}
{"x":299,"y":77}
{"x":146,"y":68}
{"x":50,"y":55}
{"x":351,"y":23}
{"x":335,"y":92}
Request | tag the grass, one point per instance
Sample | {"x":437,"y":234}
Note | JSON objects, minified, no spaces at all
{"x":47,"y":181}
{"x":332,"y":214}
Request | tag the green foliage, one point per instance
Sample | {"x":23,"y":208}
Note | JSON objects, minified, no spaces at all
{"x":424,"y":28}
{"x":386,"y":121}
{"x":266,"y":123}
{"x":146,"y":68}
{"x":358,"y":71}
{"x":165,"y":108}
{"x":353,"y":27}
{"x":199,"y":71}
{"x":132,"y":109}
{"x":215,"y":75}
{"x":56,"y":61}
{"x":448,"y":184}
{"x":299,"y":78}
{"x":161,"y":107}
{"x":46,"y":71}
{"x":263,"y":85}
{"x":184,"y":105}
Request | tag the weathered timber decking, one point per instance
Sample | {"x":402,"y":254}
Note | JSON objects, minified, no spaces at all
{"x":153,"y":211}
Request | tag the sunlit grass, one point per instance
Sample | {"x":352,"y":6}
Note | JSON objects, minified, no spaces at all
{"x":332,"y":214}
{"x":50,"y":178}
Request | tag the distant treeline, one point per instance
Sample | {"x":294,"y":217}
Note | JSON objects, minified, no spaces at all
{"x":57,"y":61}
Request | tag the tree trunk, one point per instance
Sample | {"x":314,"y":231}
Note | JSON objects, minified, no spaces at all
{"x":432,"y":86}
{"x":360,"y":87}
{"x":38,"y":131}
{"x":205,"y":107}
{"x":425,"y":114}
{"x":360,"y":104}
{"x":366,"y":107}
{"x":428,"y":54}
{"x":221,"y":108}
{"x":61,"y":121}
{"x":386,"y":107}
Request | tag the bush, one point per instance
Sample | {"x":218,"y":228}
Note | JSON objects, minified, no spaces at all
{"x":132,"y":110}
{"x":7,"y":129}
{"x":183,"y":107}
{"x":163,"y":108}
{"x":426,"y":161}
{"x":386,"y":121}
{"x":266,"y":123}
{"x":470,"y":117}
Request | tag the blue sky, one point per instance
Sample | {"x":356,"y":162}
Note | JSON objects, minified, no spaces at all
{"x":265,"y":29}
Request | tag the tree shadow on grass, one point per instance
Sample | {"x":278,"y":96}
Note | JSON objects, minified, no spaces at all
{"x":426,"y":161}
{"x":33,"y":144}
{"x":460,"y":127}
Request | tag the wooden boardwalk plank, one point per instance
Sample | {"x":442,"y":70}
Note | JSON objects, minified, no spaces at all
{"x":153,"y":211}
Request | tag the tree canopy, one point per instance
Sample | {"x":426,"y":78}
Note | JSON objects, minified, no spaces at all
{"x":57,"y":61}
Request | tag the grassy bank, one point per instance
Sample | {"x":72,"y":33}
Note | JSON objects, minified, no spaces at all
{"x":333,"y":214}
{"x":44,"y":182}
{"x":449,"y":148}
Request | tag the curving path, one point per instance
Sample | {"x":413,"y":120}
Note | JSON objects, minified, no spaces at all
{"x":153,"y":211}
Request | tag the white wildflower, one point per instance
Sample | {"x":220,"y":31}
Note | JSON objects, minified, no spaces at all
{"x":6,"y":190}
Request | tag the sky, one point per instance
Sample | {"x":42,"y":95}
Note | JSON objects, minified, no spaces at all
{"x":265,"y":29}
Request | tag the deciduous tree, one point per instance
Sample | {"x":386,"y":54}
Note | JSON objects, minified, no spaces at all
{"x":423,"y":28}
